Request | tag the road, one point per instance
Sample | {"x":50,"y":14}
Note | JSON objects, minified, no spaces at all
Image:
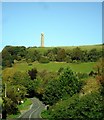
{"x":34,"y":111}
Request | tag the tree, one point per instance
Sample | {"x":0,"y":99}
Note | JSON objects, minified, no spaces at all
{"x":51,"y":56}
{"x":7,"y":59}
{"x":84,"y":56}
{"x":22,"y":51}
{"x":61,"y":55}
{"x":66,"y":84}
{"x":0,"y":59}
{"x":20,"y":92}
{"x":23,"y":78}
{"x":15,"y":92}
{"x":99,"y":67}
{"x":33,"y":55}
{"x":44,"y":60}
{"x":9,"y":106}
{"x":17,"y":52}
{"x":42,"y":80}
{"x":100,"y":73}
{"x":86,"y":107}
{"x":60,"y":70}
{"x":70,"y":82}
{"x":93,"y":55}
{"x":55,"y":50}
{"x":68,"y":59}
{"x":76,"y":54}
{"x":33,"y":73}
{"x":52,"y":92}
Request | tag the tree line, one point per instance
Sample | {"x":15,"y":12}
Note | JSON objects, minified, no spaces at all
{"x":76,"y":55}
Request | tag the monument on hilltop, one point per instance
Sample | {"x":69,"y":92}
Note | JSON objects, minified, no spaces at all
{"x":42,"y":39}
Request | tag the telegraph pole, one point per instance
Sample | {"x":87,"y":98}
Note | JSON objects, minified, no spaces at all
{"x":5,"y":90}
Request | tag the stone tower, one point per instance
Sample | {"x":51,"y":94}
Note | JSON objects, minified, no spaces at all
{"x":42,"y":39}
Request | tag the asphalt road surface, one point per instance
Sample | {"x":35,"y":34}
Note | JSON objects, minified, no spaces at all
{"x":34,"y":111}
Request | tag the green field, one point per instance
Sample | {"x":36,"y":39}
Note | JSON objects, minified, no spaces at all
{"x":53,"y":66}
{"x":84,"y":47}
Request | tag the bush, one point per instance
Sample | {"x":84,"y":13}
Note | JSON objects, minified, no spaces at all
{"x":86,"y":107}
{"x":33,"y":73}
{"x":30,"y":64}
{"x":74,"y":61}
{"x":9,"y":106}
{"x":67,"y":84}
{"x":82,"y":75}
{"x":53,"y":92}
{"x":44,"y":60}
{"x":60,"y":70}
{"x":68,"y":59}
{"x":28,"y":61}
{"x":70,"y":82}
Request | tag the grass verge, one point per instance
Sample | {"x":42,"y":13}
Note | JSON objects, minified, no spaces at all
{"x":22,"y":108}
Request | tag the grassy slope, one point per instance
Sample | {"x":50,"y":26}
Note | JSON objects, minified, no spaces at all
{"x":84,"y":47}
{"x":53,"y":66}
{"x":83,"y":67}
{"x":25,"y":105}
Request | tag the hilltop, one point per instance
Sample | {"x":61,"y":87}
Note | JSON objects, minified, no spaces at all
{"x":83,"y":47}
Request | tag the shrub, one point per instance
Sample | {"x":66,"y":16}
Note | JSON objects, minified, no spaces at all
{"x":43,"y":60}
{"x":9,"y":106}
{"x":33,"y":73}
{"x":52,"y":93}
{"x":86,"y":107}
{"x":30,"y":64}
{"x":74,"y":61}
{"x":82,"y":75}
{"x":67,"y":83}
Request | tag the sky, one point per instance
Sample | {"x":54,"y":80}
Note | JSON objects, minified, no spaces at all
{"x":63,"y":23}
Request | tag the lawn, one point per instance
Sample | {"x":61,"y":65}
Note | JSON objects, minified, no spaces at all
{"x":53,"y":66}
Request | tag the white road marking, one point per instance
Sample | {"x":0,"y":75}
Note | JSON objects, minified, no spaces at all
{"x":39,"y":103}
{"x":26,"y":111}
{"x":34,"y":110}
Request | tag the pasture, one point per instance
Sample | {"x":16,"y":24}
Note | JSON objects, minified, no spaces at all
{"x":84,"y":47}
{"x":53,"y":66}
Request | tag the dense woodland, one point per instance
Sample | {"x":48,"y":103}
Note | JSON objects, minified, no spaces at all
{"x":62,"y":91}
